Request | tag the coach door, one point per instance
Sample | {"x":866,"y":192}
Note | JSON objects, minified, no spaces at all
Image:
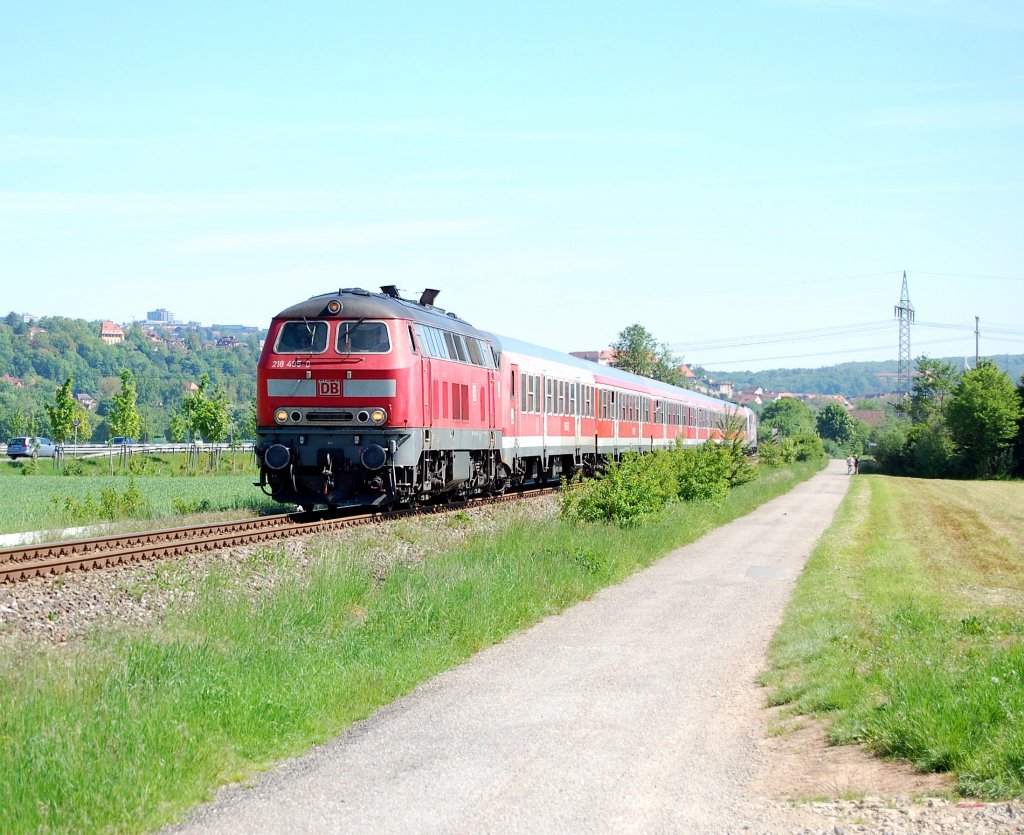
{"x":616,"y":405}
{"x":428,"y":393}
{"x":577,"y":409}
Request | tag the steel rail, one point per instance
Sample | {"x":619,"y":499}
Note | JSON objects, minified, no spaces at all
{"x":53,"y":558}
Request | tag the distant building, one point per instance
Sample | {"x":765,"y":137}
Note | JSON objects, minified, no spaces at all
{"x":160,"y":315}
{"x":686,"y":372}
{"x":872,"y":417}
{"x":229,"y":342}
{"x":14,"y":381}
{"x":111,"y":333}
{"x":605,"y":357}
{"x":87,"y":401}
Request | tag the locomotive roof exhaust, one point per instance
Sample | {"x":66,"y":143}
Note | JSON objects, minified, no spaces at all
{"x":427,"y":298}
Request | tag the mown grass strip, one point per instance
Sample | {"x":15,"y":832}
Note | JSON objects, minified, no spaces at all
{"x":906,"y":628}
{"x":126,"y":732}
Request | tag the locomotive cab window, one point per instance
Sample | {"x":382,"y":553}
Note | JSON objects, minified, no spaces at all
{"x":361,"y":337}
{"x":302,"y":338}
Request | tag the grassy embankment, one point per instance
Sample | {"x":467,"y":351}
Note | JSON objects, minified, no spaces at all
{"x":907,"y":629}
{"x":155,"y":488}
{"x":125,"y":732}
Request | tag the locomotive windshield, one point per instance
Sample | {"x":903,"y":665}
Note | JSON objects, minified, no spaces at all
{"x":302,"y":338}
{"x":362,"y":337}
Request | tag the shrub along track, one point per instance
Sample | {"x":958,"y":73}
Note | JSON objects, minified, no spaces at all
{"x":53,"y":558}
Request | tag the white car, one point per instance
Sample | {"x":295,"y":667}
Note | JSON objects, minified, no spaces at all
{"x":31,"y":448}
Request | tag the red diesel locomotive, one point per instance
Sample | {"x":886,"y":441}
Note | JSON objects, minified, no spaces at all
{"x":369,"y":399}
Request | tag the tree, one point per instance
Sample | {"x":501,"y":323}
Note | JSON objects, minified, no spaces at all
{"x":789,"y":415}
{"x":835,"y":424}
{"x":124,"y":418}
{"x":204,"y":413}
{"x":1018,"y":444}
{"x":637,"y":351}
{"x":62,"y":412}
{"x":932,"y":385}
{"x":982,"y":415}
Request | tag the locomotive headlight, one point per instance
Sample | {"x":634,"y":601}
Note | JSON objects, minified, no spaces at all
{"x":334,"y":306}
{"x":378,"y":416}
{"x":281,"y":416}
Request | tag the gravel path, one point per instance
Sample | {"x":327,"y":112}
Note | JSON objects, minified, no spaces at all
{"x":636,"y":711}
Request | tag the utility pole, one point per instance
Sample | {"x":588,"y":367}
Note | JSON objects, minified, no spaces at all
{"x":977,"y":335}
{"x":904,"y":312}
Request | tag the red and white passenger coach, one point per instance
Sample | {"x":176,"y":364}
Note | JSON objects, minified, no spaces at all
{"x":371,"y":399}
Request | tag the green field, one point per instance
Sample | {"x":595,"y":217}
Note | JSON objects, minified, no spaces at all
{"x":39,"y":497}
{"x":906,"y":630}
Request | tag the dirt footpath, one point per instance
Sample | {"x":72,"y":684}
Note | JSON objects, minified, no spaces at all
{"x":636,"y":711}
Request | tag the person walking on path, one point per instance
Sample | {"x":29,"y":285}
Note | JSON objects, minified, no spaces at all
{"x":849,"y":464}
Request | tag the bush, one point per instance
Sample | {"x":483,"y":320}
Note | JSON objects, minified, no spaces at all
{"x":640,"y":486}
{"x":920,"y":449}
{"x":806,"y":447}
{"x":703,"y":473}
{"x":788,"y":450}
{"x":627,"y":493}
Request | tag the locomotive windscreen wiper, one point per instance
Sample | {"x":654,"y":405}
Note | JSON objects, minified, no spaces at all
{"x":347,"y":334}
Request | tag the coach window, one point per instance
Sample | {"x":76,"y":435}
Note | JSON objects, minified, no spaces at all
{"x":525,"y":400}
{"x":302,"y":338}
{"x":475,"y":355}
{"x":361,"y":337}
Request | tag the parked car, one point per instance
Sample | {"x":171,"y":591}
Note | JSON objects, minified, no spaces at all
{"x":119,"y":440}
{"x":31,"y":448}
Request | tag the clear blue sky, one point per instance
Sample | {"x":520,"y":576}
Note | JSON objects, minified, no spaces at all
{"x":721,"y":173}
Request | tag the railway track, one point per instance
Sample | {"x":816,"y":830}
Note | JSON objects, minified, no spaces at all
{"x":53,"y":558}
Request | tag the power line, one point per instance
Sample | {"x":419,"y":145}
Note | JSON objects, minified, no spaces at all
{"x":969,"y":275}
{"x":786,"y":336}
{"x":708,"y":363}
{"x":829,"y":332}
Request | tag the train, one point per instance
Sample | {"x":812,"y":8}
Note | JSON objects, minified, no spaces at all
{"x":373,"y":400}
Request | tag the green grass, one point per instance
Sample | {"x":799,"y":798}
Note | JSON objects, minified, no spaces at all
{"x":906,"y":628}
{"x":48,"y":502}
{"x":208,"y":462}
{"x":125,"y":732}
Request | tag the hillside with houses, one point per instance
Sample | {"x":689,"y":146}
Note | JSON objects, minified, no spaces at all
{"x":167,"y":358}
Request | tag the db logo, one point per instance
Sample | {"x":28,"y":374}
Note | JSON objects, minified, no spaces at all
{"x":328,"y":388}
